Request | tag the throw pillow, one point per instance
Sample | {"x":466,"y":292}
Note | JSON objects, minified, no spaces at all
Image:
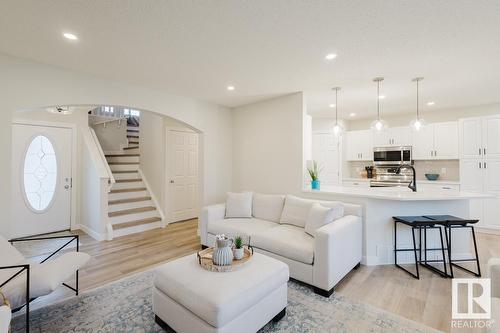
{"x":268,"y":206}
{"x":295,"y":211}
{"x":239,"y":204}
{"x":318,"y":216}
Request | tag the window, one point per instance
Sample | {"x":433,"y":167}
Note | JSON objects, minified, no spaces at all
{"x":135,"y":113}
{"x":40,"y":173}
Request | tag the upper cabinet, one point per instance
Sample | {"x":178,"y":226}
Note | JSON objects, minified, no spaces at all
{"x":480,"y":137}
{"x":438,"y":141}
{"x":393,"y":136}
{"x":358,"y":145}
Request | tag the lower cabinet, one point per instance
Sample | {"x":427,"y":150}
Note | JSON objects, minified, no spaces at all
{"x":356,"y":183}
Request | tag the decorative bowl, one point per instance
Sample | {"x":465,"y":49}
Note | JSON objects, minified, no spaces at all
{"x":432,"y":176}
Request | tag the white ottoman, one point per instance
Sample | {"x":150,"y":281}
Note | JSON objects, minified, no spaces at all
{"x":188,"y":298}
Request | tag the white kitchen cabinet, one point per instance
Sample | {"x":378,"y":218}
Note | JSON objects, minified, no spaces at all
{"x":438,"y":141}
{"x":325,"y":150}
{"x":491,"y":136}
{"x":480,"y":137}
{"x":356,"y":183}
{"x":358,"y":145}
{"x":393,"y":136}
{"x":437,"y":187}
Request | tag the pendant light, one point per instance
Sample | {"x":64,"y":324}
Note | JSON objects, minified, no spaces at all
{"x":378,"y":124}
{"x":337,"y":128}
{"x":417,"y":123}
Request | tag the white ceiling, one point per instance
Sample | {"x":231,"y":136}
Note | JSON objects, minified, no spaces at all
{"x":267,"y":48}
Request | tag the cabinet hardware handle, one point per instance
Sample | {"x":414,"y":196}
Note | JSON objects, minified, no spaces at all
{"x":435,"y":153}
{"x":485,"y":165}
{"x":479,"y":151}
{"x":479,"y":165}
{"x":484,"y":151}
{"x":446,"y":188}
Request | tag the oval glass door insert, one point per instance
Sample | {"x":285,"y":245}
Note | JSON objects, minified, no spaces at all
{"x":40,"y":174}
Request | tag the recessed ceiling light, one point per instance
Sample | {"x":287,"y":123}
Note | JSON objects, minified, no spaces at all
{"x":430,"y":103}
{"x":381,"y":97}
{"x":70,"y":36}
{"x":230,"y":88}
{"x":331,"y":105}
{"x":330,"y":56}
{"x":352,"y":114}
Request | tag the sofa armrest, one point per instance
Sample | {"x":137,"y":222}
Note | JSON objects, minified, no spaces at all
{"x":337,"y":250}
{"x":493,"y":272}
{"x":209,"y":214}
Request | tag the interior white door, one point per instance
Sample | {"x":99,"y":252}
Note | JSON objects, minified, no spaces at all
{"x":446,"y":140}
{"x":41,"y":179}
{"x":182,"y":162}
{"x":325,"y":150}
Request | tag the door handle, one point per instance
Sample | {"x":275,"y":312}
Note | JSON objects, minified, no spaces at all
{"x":66,"y":187}
{"x":171,"y":181}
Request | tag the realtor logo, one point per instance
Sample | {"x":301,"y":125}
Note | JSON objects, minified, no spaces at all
{"x":471,"y":298}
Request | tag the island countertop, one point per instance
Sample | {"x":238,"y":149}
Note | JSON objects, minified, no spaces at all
{"x":397,"y":193}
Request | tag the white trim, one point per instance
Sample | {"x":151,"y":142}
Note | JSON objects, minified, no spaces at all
{"x":74,"y":153}
{"x":92,"y":233}
{"x":488,"y":229}
{"x":153,"y":198}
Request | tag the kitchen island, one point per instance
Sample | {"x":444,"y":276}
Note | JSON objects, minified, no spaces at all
{"x":381,"y":204}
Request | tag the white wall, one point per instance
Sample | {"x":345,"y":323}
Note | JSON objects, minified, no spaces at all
{"x":431,"y":116}
{"x":27,"y":85}
{"x":268,"y":145}
{"x":152,"y":150}
{"x":113,"y":137}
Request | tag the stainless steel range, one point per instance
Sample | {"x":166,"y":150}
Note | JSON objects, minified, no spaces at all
{"x":386,"y":161}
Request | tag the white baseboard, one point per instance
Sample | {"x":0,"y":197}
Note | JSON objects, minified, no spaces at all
{"x":491,"y":230}
{"x":94,"y":234}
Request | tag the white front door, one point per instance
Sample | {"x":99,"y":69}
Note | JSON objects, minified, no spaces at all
{"x":182,"y":173}
{"x":41,"y":179}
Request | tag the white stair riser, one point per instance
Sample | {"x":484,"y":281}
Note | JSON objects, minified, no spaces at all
{"x":132,"y":128}
{"x":133,"y":133}
{"x":120,"y":186}
{"x":124,"y":167}
{"x":131,"y":175}
{"x":133,"y":217}
{"x":127,"y":195}
{"x":122,"y":159}
{"x":130,"y":205}
{"x":136,"y":229}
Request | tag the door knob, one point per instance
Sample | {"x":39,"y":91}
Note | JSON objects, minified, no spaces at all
{"x":172,"y":181}
{"x":66,"y":187}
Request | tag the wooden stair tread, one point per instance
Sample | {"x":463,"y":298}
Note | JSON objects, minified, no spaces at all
{"x":132,"y":136}
{"x":125,"y":171}
{"x":133,"y":129}
{"x":122,"y":155}
{"x":133,"y":180}
{"x":131,"y":211}
{"x":123,"y":163}
{"x":129,"y":200}
{"x":136,"y":223}
{"x":125,"y":190}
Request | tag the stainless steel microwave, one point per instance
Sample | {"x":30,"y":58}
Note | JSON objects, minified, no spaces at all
{"x":392,"y":155}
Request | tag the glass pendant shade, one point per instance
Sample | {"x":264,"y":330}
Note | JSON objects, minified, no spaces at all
{"x":417,"y":123}
{"x":338,"y":129}
{"x":379,"y":125}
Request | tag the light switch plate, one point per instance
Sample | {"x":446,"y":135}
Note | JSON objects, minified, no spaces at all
{"x":443,"y":171}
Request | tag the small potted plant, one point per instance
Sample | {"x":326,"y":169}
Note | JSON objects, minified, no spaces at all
{"x":314,"y":174}
{"x":238,"y":248}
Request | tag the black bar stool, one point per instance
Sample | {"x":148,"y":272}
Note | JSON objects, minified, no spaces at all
{"x":419,"y":223}
{"x":450,"y":223}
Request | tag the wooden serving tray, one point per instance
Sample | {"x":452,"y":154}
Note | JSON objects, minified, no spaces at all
{"x":205,"y":260}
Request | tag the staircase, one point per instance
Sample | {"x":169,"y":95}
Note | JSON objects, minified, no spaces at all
{"x":131,"y":207}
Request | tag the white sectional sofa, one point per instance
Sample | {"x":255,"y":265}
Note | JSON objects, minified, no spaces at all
{"x":276,"y":228}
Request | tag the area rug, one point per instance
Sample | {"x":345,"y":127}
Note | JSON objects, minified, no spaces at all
{"x":126,"y":306}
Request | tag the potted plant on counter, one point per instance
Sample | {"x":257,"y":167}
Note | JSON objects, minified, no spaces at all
{"x":314,"y":174}
{"x":238,"y":248}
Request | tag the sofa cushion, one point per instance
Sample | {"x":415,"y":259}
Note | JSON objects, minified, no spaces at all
{"x":268,"y":206}
{"x":239,"y":204}
{"x":219,"y":298}
{"x":318,"y":216}
{"x":287,"y":241}
{"x":295,"y":211}
{"x":240,"y":227}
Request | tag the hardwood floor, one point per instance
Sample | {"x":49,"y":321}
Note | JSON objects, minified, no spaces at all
{"x":427,"y":300}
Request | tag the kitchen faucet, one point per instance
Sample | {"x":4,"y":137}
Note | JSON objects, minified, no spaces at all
{"x":413,"y":184}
